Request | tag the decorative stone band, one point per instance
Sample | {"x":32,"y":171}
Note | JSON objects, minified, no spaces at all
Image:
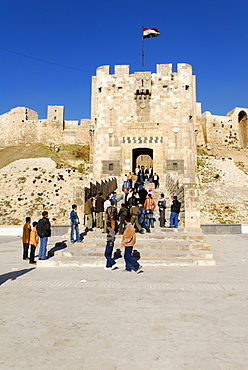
{"x":142,"y":140}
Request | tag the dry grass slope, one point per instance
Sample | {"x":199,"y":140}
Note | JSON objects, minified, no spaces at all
{"x":63,"y":157}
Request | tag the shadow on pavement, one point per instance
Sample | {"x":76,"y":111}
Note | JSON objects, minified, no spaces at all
{"x":13,"y":275}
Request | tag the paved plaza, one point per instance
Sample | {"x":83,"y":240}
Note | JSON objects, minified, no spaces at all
{"x":191,"y":317}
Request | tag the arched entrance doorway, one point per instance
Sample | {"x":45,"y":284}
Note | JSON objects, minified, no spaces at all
{"x":243,"y":124}
{"x":142,"y":157}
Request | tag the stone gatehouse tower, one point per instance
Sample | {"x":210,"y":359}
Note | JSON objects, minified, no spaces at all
{"x":144,"y":115}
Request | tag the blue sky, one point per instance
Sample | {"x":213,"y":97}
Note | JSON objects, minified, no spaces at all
{"x":210,"y":35}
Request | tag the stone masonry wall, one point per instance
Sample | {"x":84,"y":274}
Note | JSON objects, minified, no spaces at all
{"x":156,"y":111}
{"x":189,"y":196}
{"x":21,"y":126}
{"x":228,"y":130}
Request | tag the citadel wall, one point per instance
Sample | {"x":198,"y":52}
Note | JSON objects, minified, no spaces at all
{"x":21,"y":125}
{"x":231,"y":129}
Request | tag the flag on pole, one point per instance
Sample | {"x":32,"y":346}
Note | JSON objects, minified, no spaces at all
{"x":150,"y":32}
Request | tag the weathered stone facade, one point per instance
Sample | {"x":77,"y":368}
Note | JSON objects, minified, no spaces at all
{"x":144,"y":114}
{"x":21,"y":125}
{"x":231,"y":129}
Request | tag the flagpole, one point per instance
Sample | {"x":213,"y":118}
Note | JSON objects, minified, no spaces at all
{"x":143,"y":51}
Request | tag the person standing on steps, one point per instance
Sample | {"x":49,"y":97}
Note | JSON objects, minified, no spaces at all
{"x":114,"y":198}
{"x":110,"y":263}
{"x":111,"y":212}
{"x":121,"y":216}
{"x":142,"y":193}
{"x":74,"y":224}
{"x":150,"y":206}
{"x":99,"y":211}
{"x":175,"y":210}
{"x":134,"y":213}
{"x":128,"y":241}
{"x":88,"y":209}
{"x":93,"y":199}
{"x":155,"y":180}
{"x":142,"y":218}
{"x":106,"y":204}
{"x":162,"y":207}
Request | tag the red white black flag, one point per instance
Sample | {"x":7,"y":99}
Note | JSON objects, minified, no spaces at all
{"x":150,"y":32}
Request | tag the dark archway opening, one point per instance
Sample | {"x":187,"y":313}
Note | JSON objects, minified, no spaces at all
{"x":142,"y":157}
{"x":243,"y":124}
{"x":242,"y":116}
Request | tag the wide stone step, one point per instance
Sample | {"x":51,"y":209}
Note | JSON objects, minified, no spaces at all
{"x":178,"y":262}
{"x":153,"y":235}
{"x":141,"y":244}
{"x":96,"y":262}
{"x":97,"y":252}
{"x":150,"y":244}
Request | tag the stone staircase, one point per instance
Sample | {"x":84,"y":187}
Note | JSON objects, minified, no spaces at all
{"x":162,"y":247}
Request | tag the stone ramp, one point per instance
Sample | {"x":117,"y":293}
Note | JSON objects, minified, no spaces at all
{"x":161,"y":247}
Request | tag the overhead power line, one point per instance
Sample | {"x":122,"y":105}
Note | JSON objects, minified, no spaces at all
{"x":45,"y":61}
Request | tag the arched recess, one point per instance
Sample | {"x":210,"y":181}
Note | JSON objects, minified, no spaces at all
{"x":142,"y":157}
{"x":243,"y":126}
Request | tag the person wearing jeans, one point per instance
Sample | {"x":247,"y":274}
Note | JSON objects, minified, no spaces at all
{"x":44,"y":232}
{"x":110,"y":262}
{"x":128,"y":241}
{"x":74,"y":224}
{"x":150,"y":205}
{"x":175,"y":210}
{"x":142,"y":218}
{"x":43,"y":246}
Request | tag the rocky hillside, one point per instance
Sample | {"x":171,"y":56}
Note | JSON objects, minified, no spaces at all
{"x":30,"y":185}
{"x":46,"y":181}
{"x":223,"y":175}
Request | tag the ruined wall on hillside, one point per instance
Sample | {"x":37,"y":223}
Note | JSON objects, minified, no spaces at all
{"x":21,"y":125}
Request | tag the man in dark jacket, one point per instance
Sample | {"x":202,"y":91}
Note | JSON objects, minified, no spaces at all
{"x":162,"y":207}
{"x":111,"y":212}
{"x":44,"y":232}
{"x":99,"y":211}
{"x":134,"y":213}
{"x":175,"y":210}
{"x":142,"y":193}
{"x":121,"y":216}
{"x":155,"y":179}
